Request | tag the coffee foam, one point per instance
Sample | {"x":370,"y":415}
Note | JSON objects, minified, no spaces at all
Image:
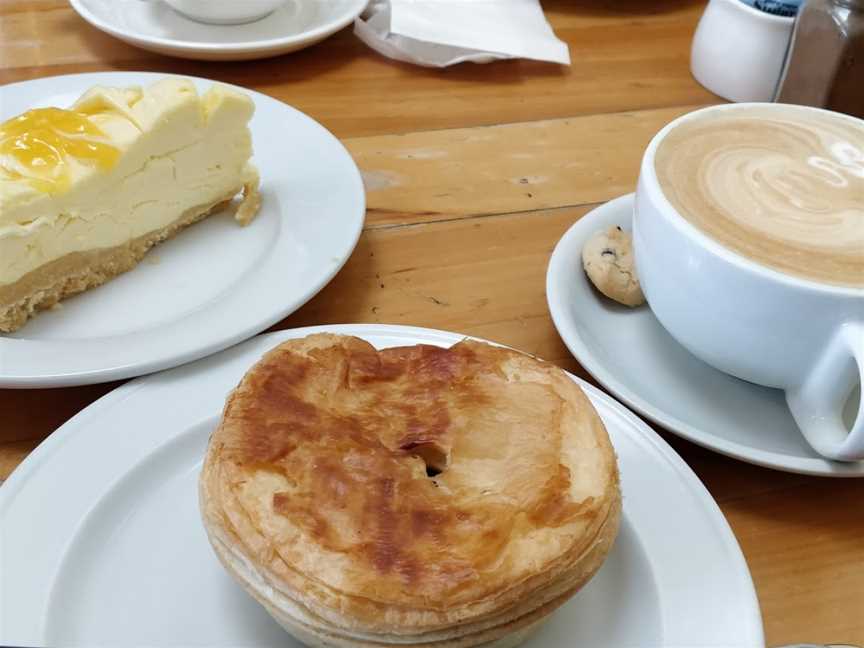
{"x":781,"y":186}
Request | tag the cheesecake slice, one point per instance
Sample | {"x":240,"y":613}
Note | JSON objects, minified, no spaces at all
{"x":85,"y":192}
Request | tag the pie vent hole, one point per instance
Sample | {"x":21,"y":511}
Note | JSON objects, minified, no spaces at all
{"x":433,"y":456}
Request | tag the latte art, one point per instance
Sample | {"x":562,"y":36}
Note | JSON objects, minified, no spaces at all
{"x":778,"y":185}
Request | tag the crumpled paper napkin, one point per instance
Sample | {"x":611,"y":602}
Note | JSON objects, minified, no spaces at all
{"x":438,"y":33}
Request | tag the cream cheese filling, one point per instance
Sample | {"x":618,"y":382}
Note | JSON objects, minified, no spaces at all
{"x":179,"y":152}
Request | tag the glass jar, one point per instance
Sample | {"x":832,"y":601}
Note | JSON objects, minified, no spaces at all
{"x":825,"y":62}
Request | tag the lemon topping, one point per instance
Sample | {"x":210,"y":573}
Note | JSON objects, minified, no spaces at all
{"x":36,"y":147}
{"x":169,"y":158}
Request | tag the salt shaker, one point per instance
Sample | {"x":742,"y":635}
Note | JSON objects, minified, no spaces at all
{"x":825,"y":62}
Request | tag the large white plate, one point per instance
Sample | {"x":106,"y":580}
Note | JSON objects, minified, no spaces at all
{"x":630,"y":353}
{"x":216,"y":283}
{"x":152,"y":25}
{"x":102,"y":543}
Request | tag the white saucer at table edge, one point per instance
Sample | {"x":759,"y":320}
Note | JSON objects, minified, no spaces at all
{"x":214,"y":284}
{"x":153,"y":25}
{"x":118,"y":554}
{"x":632,"y":355}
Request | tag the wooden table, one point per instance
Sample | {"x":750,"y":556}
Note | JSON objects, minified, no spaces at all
{"x":472,"y":175}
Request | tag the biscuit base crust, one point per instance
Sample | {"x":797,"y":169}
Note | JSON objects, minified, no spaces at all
{"x":76,"y":272}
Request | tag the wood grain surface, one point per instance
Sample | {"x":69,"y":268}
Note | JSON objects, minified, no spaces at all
{"x":473,"y":173}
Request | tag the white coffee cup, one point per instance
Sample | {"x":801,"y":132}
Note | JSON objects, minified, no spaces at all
{"x":751,"y":321}
{"x":225,"y":12}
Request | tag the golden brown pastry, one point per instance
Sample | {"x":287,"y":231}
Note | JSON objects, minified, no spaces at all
{"x":416,"y":495}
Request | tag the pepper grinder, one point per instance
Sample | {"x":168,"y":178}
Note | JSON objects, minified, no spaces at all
{"x":825,"y":63}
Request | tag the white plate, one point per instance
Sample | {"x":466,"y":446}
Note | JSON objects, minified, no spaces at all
{"x":632,"y":355}
{"x":216,"y":283}
{"x":102,"y":544}
{"x":152,"y":25}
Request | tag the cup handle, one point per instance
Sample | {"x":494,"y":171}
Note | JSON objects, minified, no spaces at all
{"x":817,"y":404}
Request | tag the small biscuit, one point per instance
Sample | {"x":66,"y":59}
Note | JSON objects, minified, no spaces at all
{"x":608,"y":261}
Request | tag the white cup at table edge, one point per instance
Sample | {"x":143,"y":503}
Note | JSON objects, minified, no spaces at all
{"x":225,"y":12}
{"x":738,"y":51}
{"x":750,"y":321}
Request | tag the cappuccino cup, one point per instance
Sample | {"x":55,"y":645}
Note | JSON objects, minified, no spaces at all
{"x":748,"y":235}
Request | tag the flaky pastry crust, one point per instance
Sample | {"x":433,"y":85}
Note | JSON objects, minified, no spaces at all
{"x":416,"y":495}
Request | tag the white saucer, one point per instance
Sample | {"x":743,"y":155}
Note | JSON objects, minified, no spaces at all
{"x":116,"y":555}
{"x":216,"y":283}
{"x":632,"y":355}
{"x":152,"y":25}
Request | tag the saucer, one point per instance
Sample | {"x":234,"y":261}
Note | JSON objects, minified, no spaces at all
{"x":153,"y":25}
{"x":632,"y":355}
